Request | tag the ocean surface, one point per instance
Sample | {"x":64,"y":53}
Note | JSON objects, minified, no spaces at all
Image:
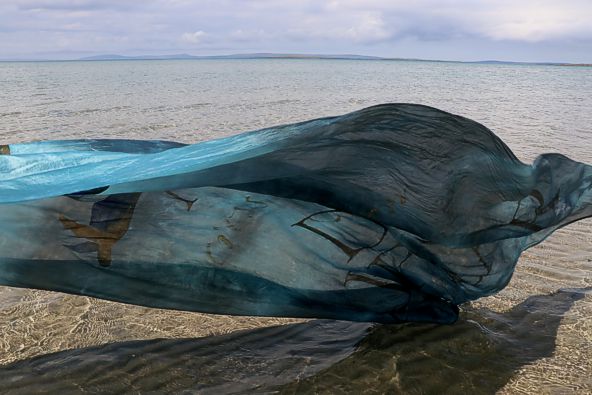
{"x":533,"y":337}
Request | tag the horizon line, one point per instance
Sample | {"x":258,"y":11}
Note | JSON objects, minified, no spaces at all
{"x":279,"y":55}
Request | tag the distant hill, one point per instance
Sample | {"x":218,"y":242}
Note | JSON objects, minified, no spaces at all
{"x":232,"y":56}
{"x":308,"y":56}
{"x":141,"y":57}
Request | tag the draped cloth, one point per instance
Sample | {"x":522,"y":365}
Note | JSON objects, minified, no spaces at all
{"x":393,"y":213}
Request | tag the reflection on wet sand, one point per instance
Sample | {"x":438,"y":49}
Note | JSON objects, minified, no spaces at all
{"x":478,"y":354}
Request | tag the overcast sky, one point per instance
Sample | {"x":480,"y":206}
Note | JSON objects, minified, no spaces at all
{"x":517,"y":30}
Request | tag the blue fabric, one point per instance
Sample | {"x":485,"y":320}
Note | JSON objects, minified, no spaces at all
{"x":397,"y":212}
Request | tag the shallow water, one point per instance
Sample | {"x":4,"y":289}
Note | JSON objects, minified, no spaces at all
{"x":530,"y":338}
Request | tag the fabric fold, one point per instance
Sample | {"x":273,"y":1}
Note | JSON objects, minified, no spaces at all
{"x":397,"y":212}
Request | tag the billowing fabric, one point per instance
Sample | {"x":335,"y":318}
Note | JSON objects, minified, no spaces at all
{"x":394,"y":213}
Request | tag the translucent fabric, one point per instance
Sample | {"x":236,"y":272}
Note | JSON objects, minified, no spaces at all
{"x":394,"y":213}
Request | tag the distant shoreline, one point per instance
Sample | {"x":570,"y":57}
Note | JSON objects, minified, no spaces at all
{"x":113,"y":57}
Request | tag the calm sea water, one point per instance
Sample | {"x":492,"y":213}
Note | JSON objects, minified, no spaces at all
{"x":534,"y":337}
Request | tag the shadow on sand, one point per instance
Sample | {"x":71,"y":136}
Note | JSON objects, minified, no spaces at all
{"x":478,"y":354}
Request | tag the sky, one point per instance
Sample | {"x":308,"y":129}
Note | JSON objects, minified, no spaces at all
{"x":469,"y":30}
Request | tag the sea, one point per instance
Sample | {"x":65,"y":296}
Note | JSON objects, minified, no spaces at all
{"x":534,"y":337}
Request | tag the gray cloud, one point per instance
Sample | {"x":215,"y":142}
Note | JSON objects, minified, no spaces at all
{"x":71,"y":5}
{"x":462,"y":29}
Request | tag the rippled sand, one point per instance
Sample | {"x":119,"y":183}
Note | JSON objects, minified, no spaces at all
{"x":530,"y":338}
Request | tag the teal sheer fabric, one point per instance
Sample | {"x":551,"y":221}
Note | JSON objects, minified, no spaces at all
{"x":393,"y":213}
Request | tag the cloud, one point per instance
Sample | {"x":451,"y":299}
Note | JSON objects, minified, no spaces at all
{"x":525,"y":20}
{"x":249,"y":35}
{"x":193,"y":38}
{"x":71,"y":5}
{"x":547,"y":21}
{"x":365,"y":27}
{"x":380,"y":27}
